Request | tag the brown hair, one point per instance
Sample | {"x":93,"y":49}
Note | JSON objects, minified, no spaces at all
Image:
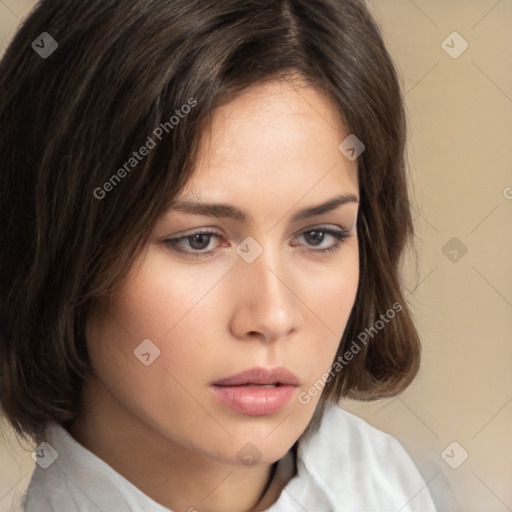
{"x":120,"y":70}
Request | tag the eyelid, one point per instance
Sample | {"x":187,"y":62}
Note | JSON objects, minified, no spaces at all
{"x":215,"y":230}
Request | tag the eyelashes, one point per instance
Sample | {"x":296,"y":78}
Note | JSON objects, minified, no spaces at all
{"x":200,"y":240}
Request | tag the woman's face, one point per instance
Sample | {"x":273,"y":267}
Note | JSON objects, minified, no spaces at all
{"x":271,"y":291}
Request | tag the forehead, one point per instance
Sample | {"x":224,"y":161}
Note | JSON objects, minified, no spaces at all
{"x":275,"y":138}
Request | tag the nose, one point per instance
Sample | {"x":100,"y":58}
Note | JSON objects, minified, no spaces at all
{"x":265,"y":305}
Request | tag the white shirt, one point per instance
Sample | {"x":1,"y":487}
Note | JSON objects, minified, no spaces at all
{"x":345,"y":465}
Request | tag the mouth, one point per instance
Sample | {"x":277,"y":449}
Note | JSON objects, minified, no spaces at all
{"x":258,"y":376}
{"x":257,"y":391}
{"x":274,"y":385}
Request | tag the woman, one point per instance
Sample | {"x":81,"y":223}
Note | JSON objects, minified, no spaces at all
{"x":204,"y":207}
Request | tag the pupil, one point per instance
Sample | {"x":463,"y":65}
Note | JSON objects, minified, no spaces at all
{"x":316,"y":235}
{"x":199,"y":237}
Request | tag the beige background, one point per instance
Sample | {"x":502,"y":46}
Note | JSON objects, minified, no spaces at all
{"x":460,"y":154}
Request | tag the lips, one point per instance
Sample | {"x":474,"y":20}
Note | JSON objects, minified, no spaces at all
{"x":256,"y":392}
{"x":260,"y":377}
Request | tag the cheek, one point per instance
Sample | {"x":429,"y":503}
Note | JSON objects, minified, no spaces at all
{"x":330,"y":292}
{"x":161,"y":393}
{"x":158,"y":301}
{"x":330,"y":301}
{"x":174,"y":309}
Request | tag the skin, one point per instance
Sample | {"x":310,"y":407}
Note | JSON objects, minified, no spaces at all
{"x":272,"y":151}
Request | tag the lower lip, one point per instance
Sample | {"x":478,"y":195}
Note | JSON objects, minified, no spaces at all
{"x":254,"y":401}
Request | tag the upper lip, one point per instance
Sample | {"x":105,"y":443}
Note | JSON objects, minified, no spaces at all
{"x":260,"y":376}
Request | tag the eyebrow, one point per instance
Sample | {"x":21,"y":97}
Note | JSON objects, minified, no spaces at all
{"x":232,"y":212}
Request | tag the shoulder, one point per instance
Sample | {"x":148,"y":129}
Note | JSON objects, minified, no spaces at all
{"x":68,"y":477}
{"x":350,"y":434}
{"x":351,"y":459}
{"x":47,"y":474}
{"x":37,"y":497}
